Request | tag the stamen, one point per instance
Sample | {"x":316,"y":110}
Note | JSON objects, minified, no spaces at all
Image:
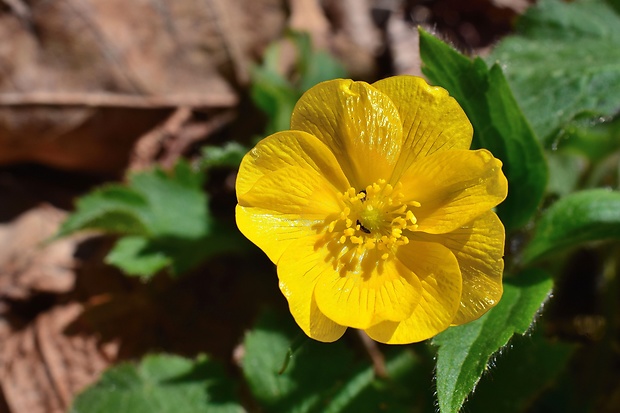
{"x":332,"y":226}
{"x":375,"y":217}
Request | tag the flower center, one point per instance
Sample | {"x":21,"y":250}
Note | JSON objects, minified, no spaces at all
{"x":375,"y":217}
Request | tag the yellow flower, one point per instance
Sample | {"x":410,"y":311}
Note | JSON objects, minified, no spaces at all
{"x":375,"y":211}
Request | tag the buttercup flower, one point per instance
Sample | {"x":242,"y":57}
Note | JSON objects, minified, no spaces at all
{"x":375,"y":211}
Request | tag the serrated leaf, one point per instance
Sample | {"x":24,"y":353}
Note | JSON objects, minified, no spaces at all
{"x":161,"y":384}
{"x":112,"y":208}
{"x":580,"y":217}
{"x":177,"y":205}
{"x":164,"y":217}
{"x":134,"y":256}
{"x":563,"y":61}
{"x":144,"y":257}
{"x":499,"y":124}
{"x":465,"y":350}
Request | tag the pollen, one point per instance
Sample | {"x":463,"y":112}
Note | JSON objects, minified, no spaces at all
{"x":375,"y":217}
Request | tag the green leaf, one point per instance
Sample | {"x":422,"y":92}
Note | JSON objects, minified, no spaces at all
{"x":228,"y":156}
{"x":143,"y":257}
{"x":177,"y":205}
{"x":597,"y":140}
{"x":520,"y":376}
{"x":135,"y":257}
{"x":580,"y":217}
{"x":565,"y":171}
{"x":275,"y":94}
{"x":322,"y":378}
{"x":112,"y":208}
{"x":164,"y":216}
{"x":315,"y":66}
{"x":465,"y":350}
{"x":498,"y":124}
{"x":312,"y":371}
{"x":563,"y":62}
{"x":161,"y":384}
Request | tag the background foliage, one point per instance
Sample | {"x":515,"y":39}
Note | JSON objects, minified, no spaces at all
{"x":545,"y":100}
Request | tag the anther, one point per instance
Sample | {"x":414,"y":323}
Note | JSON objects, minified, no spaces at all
{"x":357,"y":240}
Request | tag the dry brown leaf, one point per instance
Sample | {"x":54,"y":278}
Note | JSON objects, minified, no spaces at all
{"x":29,"y":265}
{"x":357,"y":40}
{"x":518,"y":6}
{"x":42,"y":367}
{"x":309,"y":16}
{"x":149,"y":146}
{"x":81,"y":80}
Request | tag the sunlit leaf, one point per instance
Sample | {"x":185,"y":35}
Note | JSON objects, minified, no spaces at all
{"x":499,"y":124}
{"x":464,"y":351}
{"x":563,"y":61}
{"x":164,"y":217}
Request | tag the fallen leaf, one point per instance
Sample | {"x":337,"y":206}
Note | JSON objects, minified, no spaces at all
{"x":27,"y":264}
{"x":42,"y":367}
{"x":82,"y":80}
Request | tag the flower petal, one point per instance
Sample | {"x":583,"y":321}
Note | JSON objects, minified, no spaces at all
{"x":479,"y":248}
{"x":362,"y":291}
{"x":301,"y":265}
{"x":453,"y":188}
{"x":357,"y":122}
{"x":289,"y":148}
{"x":285,"y":205}
{"x":440,"y":278}
{"x":432,"y":120}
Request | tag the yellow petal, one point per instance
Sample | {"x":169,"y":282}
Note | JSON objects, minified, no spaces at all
{"x":454,"y":187}
{"x":302,"y":264}
{"x":432,"y":120}
{"x":289,"y":148}
{"x":366,"y":291}
{"x":285,"y":205}
{"x":358,"y":123}
{"x":440,"y":278}
{"x":479,"y":248}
